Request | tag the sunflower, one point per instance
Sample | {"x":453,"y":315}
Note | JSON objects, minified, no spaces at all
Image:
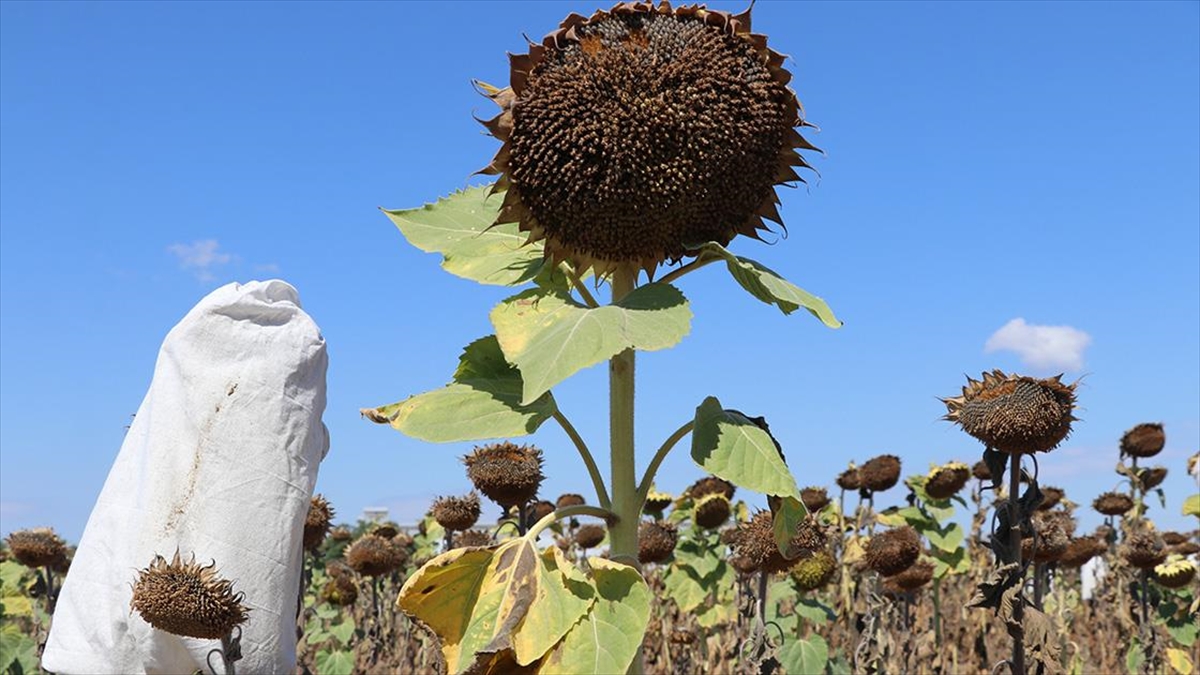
{"x":1014,"y":414}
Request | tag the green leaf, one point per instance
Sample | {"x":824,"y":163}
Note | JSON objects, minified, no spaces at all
{"x":342,"y":630}
{"x":335,"y":663}
{"x":1183,"y":628}
{"x":549,"y":336}
{"x":947,"y":562}
{"x":327,"y":611}
{"x":718,"y":614}
{"x":1134,"y":657}
{"x":766,"y":285}
{"x":729,"y":445}
{"x":703,"y":560}
{"x":804,"y":657}
{"x":12,"y":576}
{"x":909,"y":515}
{"x":483,"y":401}
{"x":947,"y":539}
{"x":460,"y":227}
{"x":685,"y":588}
{"x":17,"y":648}
{"x":1191,"y":506}
{"x":606,"y":639}
{"x":814,"y":611}
{"x":788,"y":516}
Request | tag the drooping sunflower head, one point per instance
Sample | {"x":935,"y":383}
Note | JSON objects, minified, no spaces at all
{"x":1113,"y":503}
{"x":508,"y":474}
{"x":879,"y":473}
{"x":712,"y":510}
{"x":1014,"y":414}
{"x":915,"y":576}
{"x":849,"y":479}
{"x":317,"y":522}
{"x":814,"y":498}
{"x":185,"y":598}
{"x":814,"y":571}
{"x":590,"y":535}
{"x":1051,"y":497}
{"x":657,"y":502}
{"x":637,"y":133}
{"x":1144,"y":550}
{"x":1082,"y":549}
{"x":1176,"y":572}
{"x":1143,"y":440}
{"x":893,"y":551}
{"x":372,"y":555}
{"x":946,"y":480}
{"x":456,"y":513}
{"x":656,"y":541}
{"x":569,"y":499}
{"x":37,"y":547}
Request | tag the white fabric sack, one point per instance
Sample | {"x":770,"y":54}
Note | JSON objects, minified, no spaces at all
{"x":221,"y":461}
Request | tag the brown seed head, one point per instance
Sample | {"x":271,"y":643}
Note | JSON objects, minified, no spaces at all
{"x":341,"y":533}
{"x":317,"y":522}
{"x":472,"y":538}
{"x":535,"y":511}
{"x":1082,"y":549}
{"x":945,"y":481}
{"x":656,"y":541}
{"x":880,"y":473}
{"x":372,"y":555}
{"x":814,"y":498}
{"x":915,"y":576}
{"x":814,"y":571}
{"x":507,"y":474}
{"x":711,"y":511}
{"x":1054,"y":530}
{"x":893,"y":551}
{"x":569,"y":499}
{"x":1186,"y":548}
{"x":981,"y":471}
{"x":590,"y":535}
{"x":711,"y":485}
{"x":340,"y":591}
{"x":1113,"y":503}
{"x":187,"y":599}
{"x":657,"y":502}
{"x":1152,"y":477}
{"x":849,"y":479}
{"x":745,"y":565}
{"x":1144,"y":440}
{"x":1014,"y":414}
{"x":386,"y":530}
{"x":37,"y":547}
{"x":1144,"y":550}
{"x":637,"y":132}
{"x":1173,"y":538}
{"x":1051,"y":496}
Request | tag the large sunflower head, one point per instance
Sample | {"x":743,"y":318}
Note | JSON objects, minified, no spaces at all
{"x":186,"y":598}
{"x":637,"y":133}
{"x":1014,"y":414}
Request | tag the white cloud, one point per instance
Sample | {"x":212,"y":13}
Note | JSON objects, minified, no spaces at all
{"x":1045,"y":347}
{"x":200,"y":257}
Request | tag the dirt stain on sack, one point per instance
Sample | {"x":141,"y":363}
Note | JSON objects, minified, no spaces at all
{"x":181,"y":505}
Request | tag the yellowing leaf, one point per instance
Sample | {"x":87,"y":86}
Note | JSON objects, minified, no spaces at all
{"x":607,"y":638}
{"x":1180,"y":661}
{"x":564,"y":594}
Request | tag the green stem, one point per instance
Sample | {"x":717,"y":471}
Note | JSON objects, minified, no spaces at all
{"x":586,"y":455}
{"x":667,"y":446}
{"x":584,"y":293}
{"x":568,"y":512}
{"x":696,"y":264}
{"x":623,"y":534}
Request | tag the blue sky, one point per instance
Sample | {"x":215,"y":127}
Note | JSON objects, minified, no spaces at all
{"x":987,"y":163}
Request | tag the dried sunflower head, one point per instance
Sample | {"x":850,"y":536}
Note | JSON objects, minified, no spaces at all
{"x":915,"y":576}
{"x":589,"y":536}
{"x":472,"y":538}
{"x":1152,"y":477}
{"x":656,"y":541}
{"x":1082,"y":549}
{"x":1144,"y":550}
{"x":1176,"y":572}
{"x":893,"y":551}
{"x":1051,"y":496}
{"x":341,"y":533}
{"x":657,"y":502}
{"x":506,"y":473}
{"x":340,"y":591}
{"x":569,"y":499}
{"x":1014,"y":414}
{"x":712,"y":510}
{"x":945,"y":481}
{"x":879,"y":473}
{"x":637,"y":133}
{"x":849,"y":479}
{"x":814,"y":571}
{"x":535,"y":511}
{"x":388,"y":530}
{"x":1144,"y":440}
{"x":711,"y":485}
{"x":456,"y":513}
{"x":1113,"y":503}
{"x":981,"y":471}
{"x":1054,"y":530}
{"x":372,"y":555}
{"x":317,"y":522}
{"x":37,"y":547}
{"x":814,"y":498}
{"x":187,"y":599}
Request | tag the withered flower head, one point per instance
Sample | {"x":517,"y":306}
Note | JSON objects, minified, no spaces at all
{"x":1014,"y":414}
{"x":849,"y":479}
{"x":589,"y":535}
{"x":388,"y":530}
{"x":814,"y":498}
{"x":640,"y":131}
{"x":340,"y":591}
{"x":1051,"y":496}
{"x":915,"y":576}
{"x":1173,"y":538}
{"x":1082,"y":549}
{"x":1113,"y":503}
{"x":657,"y":502}
{"x":1175,"y":573}
{"x":755,"y":540}
{"x":1144,"y":440}
{"x":1144,"y":550}
{"x":472,"y":538}
{"x":535,"y":511}
{"x":656,"y":541}
{"x":945,"y":481}
{"x":814,"y":571}
{"x":712,"y":510}
{"x":37,"y":547}
{"x":507,"y":474}
{"x":879,"y":473}
{"x":981,"y":471}
{"x":372,"y":555}
{"x":1054,"y":530}
{"x":711,"y":485}
{"x":893,"y":551}
{"x":187,"y":599}
{"x":341,"y":533}
{"x":745,"y":565}
{"x":1152,"y":477}
{"x":569,"y":499}
{"x":456,"y":513}
{"x":317,"y":522}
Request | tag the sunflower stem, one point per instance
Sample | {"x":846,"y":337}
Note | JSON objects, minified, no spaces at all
{"x":563,"y":514}
{"x":692,"y":266}
{"x":623,"y":534}
{"x":586,"y":455}
{"x":667,"y":446}
{"x":1014,"y":544}
{"x":588,"y":298}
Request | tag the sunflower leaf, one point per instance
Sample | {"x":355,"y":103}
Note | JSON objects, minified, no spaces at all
{"x":730,"y":445}
{"x":766,"y":285}
{"x":460,"y":227}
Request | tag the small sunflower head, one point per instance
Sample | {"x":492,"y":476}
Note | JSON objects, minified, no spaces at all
{"x":743,"y":564}
{"x":981,"y":471}
{"x":946,"y":480}
{"x":1144,"y":550}
{"x":1082,"y":549}
{"x":657,"y":502}
{"x":880,"y":473}
{"x":456,"y":513}
{"x":1054,"y":530}
{"x":1051,"y":497}
{"x":814,"y":498}
{"x":372,"y":555}
{"x":340,"y":591}
{"x":656,"y":541}
{"x":569,"y":499}
{"x":1113,"y":503}
{"x":893,"y":551}
{"x":1152,"y":477}
{"x":472,"y":539}
{"x":506,"y":473}
{"x":535,"y":511}
{"x":711,"y":485}
{"x":754,"y":540}
{"x":814,"y":571}
{"x":1173,"y":538}
{"x":388,"y":530}
{"x":1176,"y":572}
{"x":187,"y":599}
{"x":317,"y":522}
{"x":589,"y":535}
{"x":1186,"y":548}
{"x":849,"y":479}
{"x":1014,"y":414}
{"x":37,"y":547}
{"x":637,"y":133}
{"x":1144,"y":440}
{"x":910,"y":579}
{"x":712,"y":510}
{"x":341,"y":534}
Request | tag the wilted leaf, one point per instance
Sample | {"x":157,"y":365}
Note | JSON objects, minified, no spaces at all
{"x":460,"y":228}
{"x":1000,"y":591}
{"x":997,"y":464}
{"x":606,"y":639}
{"x":1180,"y":661}
{"x":564,"y":595}
{"x":483,"y":401}
{"x":549,"y":336}
{"x":1041,"y":643}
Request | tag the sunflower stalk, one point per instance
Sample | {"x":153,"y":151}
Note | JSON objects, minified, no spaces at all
{"x":1014,"y":542}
